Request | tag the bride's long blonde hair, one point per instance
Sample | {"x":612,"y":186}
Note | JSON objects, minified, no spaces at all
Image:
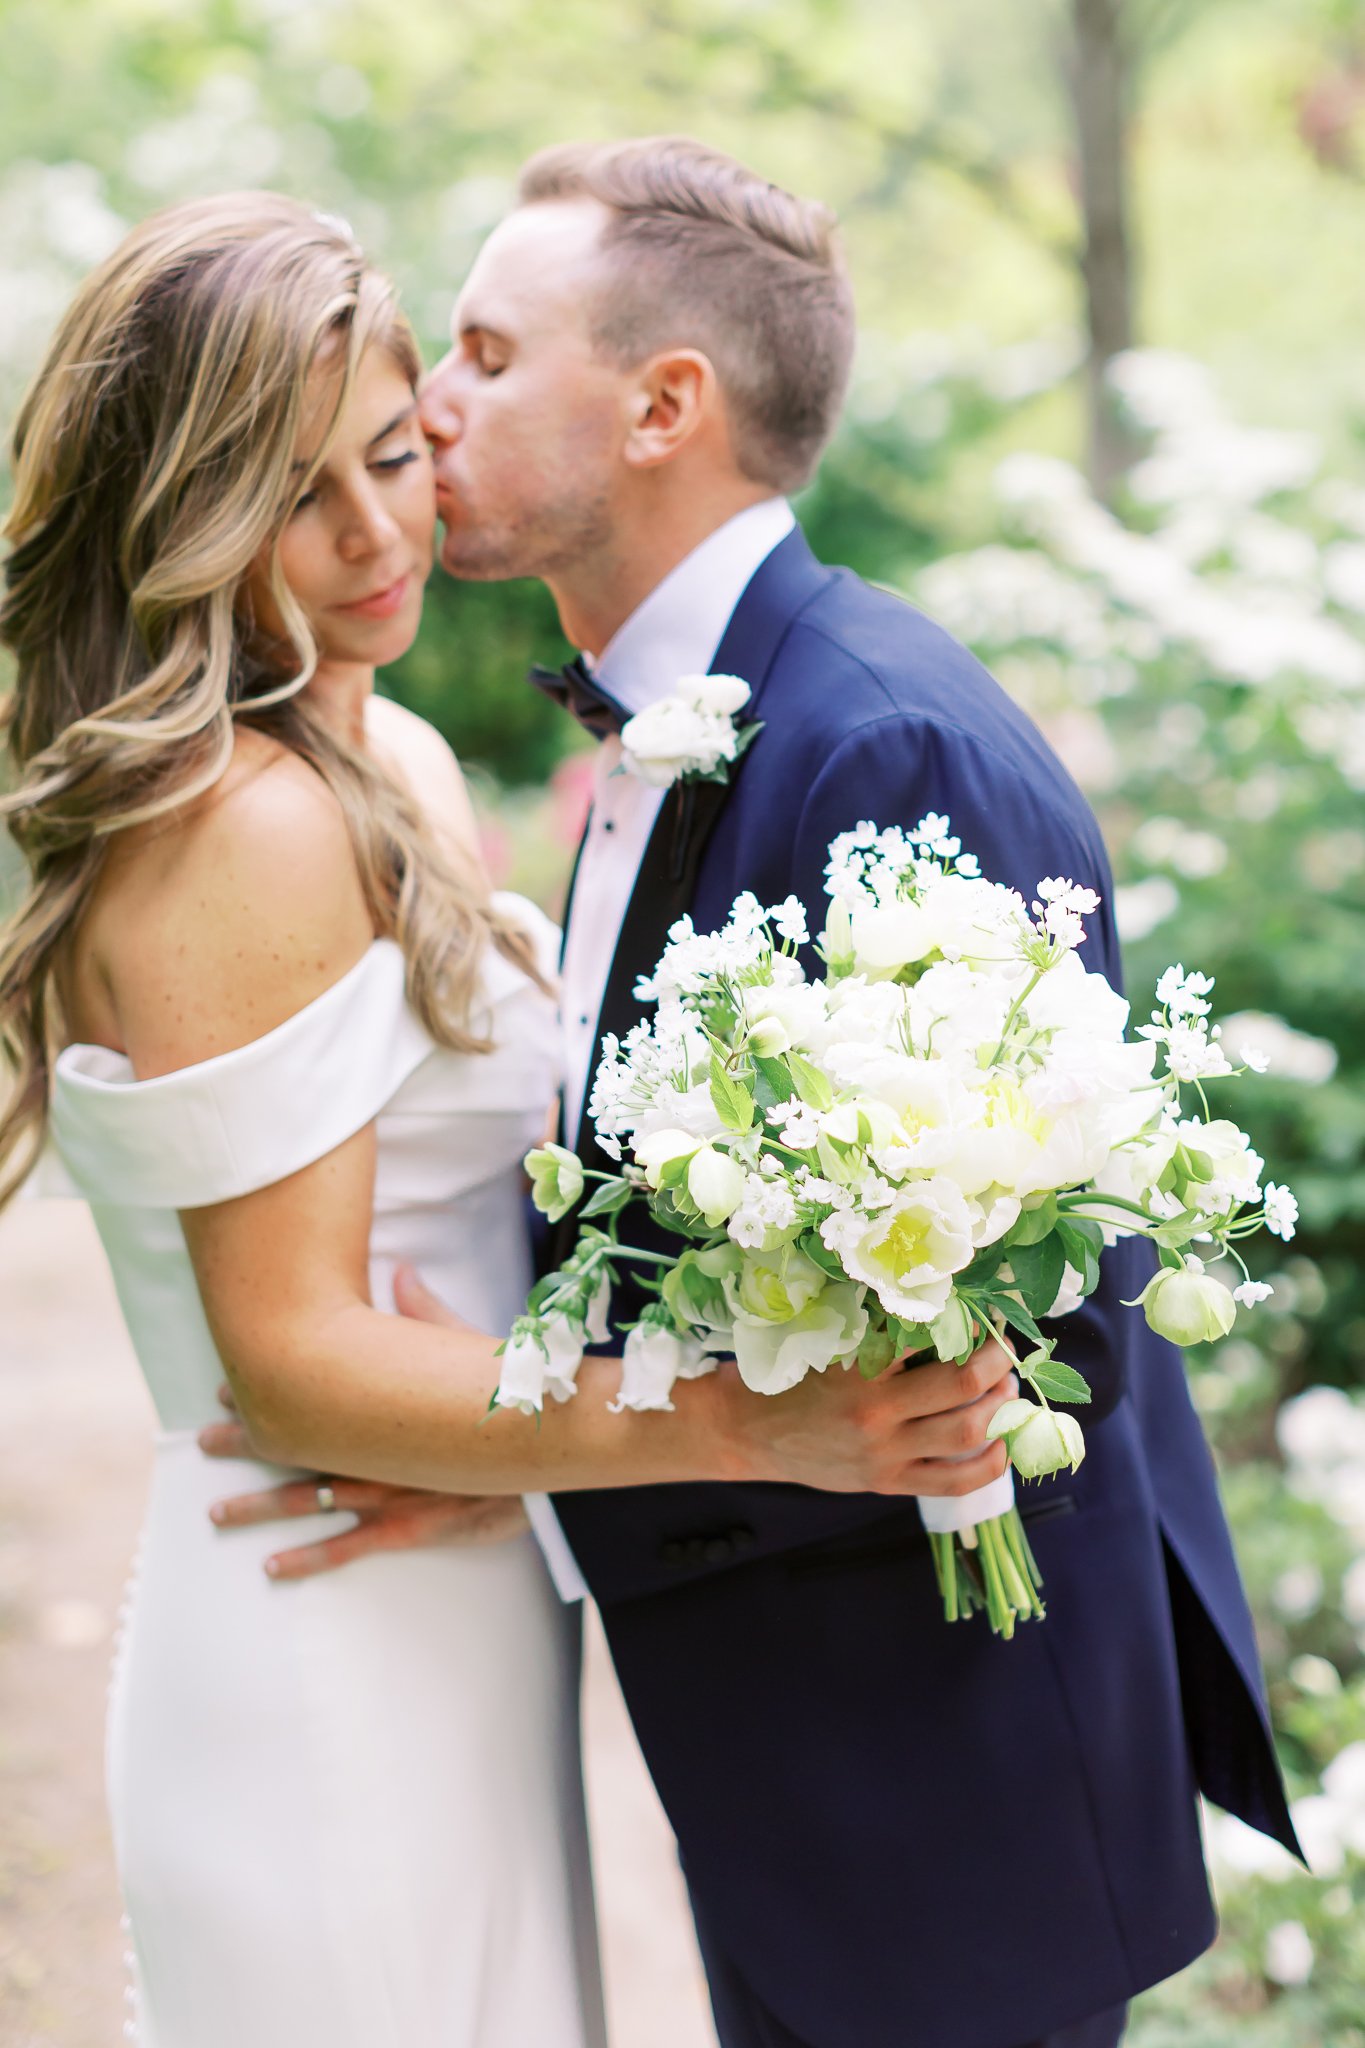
{"x":152,"y":464}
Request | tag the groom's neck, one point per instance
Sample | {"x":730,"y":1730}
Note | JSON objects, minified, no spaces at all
{"x":597,"y":594}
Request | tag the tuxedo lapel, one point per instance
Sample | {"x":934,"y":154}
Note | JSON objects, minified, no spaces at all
{"x":780,"y":588}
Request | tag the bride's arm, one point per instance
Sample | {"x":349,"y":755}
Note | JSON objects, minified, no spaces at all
{"x":325,"y":1381}
{"x":257,"y":908}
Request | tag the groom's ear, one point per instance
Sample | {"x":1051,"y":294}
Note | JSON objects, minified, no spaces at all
{"x":674,"y":397}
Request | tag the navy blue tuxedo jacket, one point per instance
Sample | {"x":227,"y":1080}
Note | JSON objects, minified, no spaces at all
{"x":904,"y":1831}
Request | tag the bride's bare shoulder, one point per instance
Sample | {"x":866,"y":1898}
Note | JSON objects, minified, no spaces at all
{"x":227,"y":916}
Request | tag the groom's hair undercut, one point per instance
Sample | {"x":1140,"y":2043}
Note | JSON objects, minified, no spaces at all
{"x":702,"y":253}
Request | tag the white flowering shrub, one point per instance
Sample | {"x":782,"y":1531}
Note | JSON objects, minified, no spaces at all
{"x":1197,"y":656}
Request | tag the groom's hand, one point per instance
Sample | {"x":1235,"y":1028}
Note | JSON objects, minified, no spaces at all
{"x":921,"y":1431}
{"x":386,"y":1517}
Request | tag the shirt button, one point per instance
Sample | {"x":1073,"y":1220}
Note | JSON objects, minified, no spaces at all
{"x":609,"y":824}
{"x":584,"y":1022}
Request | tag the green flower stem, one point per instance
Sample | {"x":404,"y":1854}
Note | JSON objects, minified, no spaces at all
{"x":1000,"y":1609}
{"x":943,"y":1551}
{"x":1015,"y":1008}
{"x":990,"y":1567}
{"x":1012,"y":1527}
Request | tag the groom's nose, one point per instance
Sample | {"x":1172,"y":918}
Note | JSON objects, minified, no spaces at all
{"x":436,"y":407}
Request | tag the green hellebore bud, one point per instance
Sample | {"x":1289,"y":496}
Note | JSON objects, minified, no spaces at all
{"x":556,"y":1180}
{"x":716,"y":1184}
{"x":769,"y":1036}
{"x":1039,"y":1440}
{"x":1188,"y":1306}
{"x":661,"y":1148}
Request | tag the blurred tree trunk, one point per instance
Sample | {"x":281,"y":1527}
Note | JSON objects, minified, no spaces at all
{"x":1099,"y":76}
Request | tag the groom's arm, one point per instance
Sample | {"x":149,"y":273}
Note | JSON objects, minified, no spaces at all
{"x":893,"y":770}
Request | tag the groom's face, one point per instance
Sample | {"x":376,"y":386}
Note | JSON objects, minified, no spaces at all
{"x":526,"y":422}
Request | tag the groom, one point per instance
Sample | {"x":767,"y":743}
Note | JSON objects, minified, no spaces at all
{"x":896,"y":1833}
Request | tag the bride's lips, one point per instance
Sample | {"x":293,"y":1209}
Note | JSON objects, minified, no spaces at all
{"x":381,"y":604}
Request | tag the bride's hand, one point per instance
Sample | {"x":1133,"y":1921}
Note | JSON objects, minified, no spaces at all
{"x":387,"y":1517}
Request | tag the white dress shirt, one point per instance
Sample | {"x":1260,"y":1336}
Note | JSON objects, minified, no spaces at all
{"x":675,"y":632}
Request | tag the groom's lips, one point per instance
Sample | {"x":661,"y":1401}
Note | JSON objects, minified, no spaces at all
{"x":381,"y":604}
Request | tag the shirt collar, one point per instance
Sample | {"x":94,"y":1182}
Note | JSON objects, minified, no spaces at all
{"x":677,"y":629}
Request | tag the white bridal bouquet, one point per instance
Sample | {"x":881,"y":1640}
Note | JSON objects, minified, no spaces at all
{"x":929,"y":1145}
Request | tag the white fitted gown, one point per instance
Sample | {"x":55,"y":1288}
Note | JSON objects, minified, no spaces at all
{"x":348,"y":1813}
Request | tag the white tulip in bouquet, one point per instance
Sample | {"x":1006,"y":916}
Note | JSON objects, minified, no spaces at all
{"x":931,"y":1144}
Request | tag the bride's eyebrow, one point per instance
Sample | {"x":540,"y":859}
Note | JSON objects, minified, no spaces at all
{"x":397,"y":421}
{"x":301,"y":463}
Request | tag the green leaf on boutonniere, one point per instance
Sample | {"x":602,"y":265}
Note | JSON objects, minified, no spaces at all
{"x":745,"y":735}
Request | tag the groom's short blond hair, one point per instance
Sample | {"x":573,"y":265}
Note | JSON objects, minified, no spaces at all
{"x":705,"y":254}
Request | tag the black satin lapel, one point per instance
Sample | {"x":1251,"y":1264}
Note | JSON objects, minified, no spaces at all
{"x":779,"y":590}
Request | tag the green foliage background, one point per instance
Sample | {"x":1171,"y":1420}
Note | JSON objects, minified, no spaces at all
{"x":941,"y":133}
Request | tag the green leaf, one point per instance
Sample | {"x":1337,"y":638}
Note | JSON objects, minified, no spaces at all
{"x":1013,"y":1311}
{"x":745,"y":735}
{"x":909,"y":1336}
{"x":773,"y":1083}
{"x":875,"y":1352}
{"x":981,"y":1271}
{"x":547,"y":1285}
{"x":819,"y":1254}
{"x":1038,"y":1270}
{"x":681,"y":1217}
{"x":1033,"y":1225}
{"x":1081,"y":1243}
{"x":1059,"y":1382}
{"x":734,"y":1104}
{"x":609,"y":1199}
{"x":811,"y":1084}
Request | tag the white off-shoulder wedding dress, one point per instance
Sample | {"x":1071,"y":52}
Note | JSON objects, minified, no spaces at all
{"x":348,"y":1812}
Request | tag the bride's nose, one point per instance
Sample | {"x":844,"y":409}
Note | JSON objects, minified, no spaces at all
{"x":368,"y":529}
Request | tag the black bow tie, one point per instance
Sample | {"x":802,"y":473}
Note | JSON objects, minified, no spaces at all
{"x":576,"y":690}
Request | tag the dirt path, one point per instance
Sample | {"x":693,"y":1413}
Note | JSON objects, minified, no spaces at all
{"x":74,"y":1423}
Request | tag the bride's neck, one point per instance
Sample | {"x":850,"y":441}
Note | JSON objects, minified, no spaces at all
{"x":339,"y":691}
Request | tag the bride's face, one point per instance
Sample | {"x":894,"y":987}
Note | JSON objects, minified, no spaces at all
{"x":357,"y":548}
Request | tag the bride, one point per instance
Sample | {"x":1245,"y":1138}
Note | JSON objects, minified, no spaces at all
{"x":284,"y":1037}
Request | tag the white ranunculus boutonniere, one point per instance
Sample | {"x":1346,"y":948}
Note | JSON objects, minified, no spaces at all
{"x":690,"y":735}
